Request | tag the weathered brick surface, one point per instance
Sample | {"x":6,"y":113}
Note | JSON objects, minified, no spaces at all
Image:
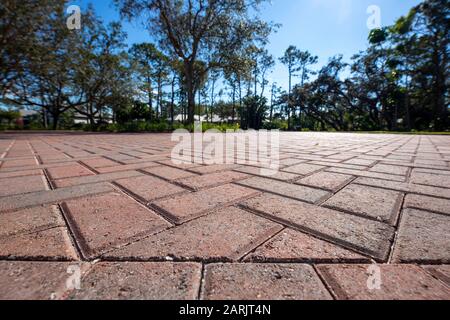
{"x":280,"y":175}
{"x":18,"y":185}
{"x":33,"y":280}
{"x":99,"y":163}
{"x":429,"y":179}
{"x":64,"y":183}
{"x":169,"y":173}
{"x":303,"y":168}
{"x":262,"y":282}
{"x":48,"y":197}
{"x":153,"y":221}
{"x":286,"y":189}
{"x":149,"y":188}
{"x":212,"y":180}
{"x":326,"y":180}
{"x":383,"y":168}
{"x":19,"y":163}
{"x":199,"y":203}
{"x":106,"y":221}
{"x":366,"y":236}
{"x":398,"y":282}
{"x":213,"y":168}
{"x":427,"y":203}
{"x":406,"y":187}
{"x":128,"y":167}
{"x":70,"y":171}
{"x":50,"y":244}
{"x":423,"y":237}
{"x":440,"y":272}
{"x":140,"y":281}
{"x":380,"y":204}
{"x":14,"y":174}
{"x":294,"y":246}
{"x":30,"y":220}
{"x":227,"y":234}
{"x":368,"y":174}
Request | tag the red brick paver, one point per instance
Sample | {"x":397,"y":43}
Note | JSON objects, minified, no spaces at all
{"x":396,"y":282}
{"x":117,"y":212}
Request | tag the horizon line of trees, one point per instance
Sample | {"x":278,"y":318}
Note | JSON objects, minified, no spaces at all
{"x":210,"y":59}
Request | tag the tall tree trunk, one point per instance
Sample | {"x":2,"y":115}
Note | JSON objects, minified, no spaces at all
{"x":150,"y":98}
{"x":233,"y":114}
{"x":289,"y":100}
{"x":190,"y":87}
{"x":172,"y":101}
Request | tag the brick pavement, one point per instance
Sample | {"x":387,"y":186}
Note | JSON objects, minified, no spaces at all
{"x":115,"y":210}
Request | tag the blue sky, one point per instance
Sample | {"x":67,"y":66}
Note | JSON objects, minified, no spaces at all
{"x":324,"y":27}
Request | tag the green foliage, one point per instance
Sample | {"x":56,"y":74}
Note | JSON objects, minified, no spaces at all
{"x":8,"y":116}
{"x":253,"y":113}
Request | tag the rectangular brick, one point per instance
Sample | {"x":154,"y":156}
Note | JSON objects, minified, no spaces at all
{"x":212,"y":180}
{"x":75,"y":170}
{"x":361,"y":162}
{"x":49,"y":244}
{"x":286,"y":189}
{"x":252,"y":281}
{"x":104,"y":222}
{"x":366,"y":236}
{"x":20,"y":173}
{"x":429,"y":179}
{"x":338,"y":165}
{"x":383,"y":168}
{"x":397,"y":282}
{"x":440,"y":272}
{"x":99,"y":163}
{"x":423,"y":237}
{"x":380,"y":204}
{"x":293,"y":246}
{"x":186,"y":165}
{"x":303,"y":168}
{"x":227,"y":234}
{"x":169,"y":173}
{"x":63,"y":183}
{"x":405,"y":187}
{"x":185,"y":207}
{"x":213,"y":168}
{"x":367,"y":174}
{"x":140,"y":281}
{"x":326,"y":180}
{"x":30,"y":220}
{"x":21,"y":280}
{"x":148,"y":188}
{"x":22,"y":185}
{"x":19,"y":163}
{"x":52,"y":197}
{"x":427,"y":203}
{"x":280,"y":175}
{"x":127,"y":167}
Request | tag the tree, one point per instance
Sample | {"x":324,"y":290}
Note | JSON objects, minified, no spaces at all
{"x":143,"y":56}
{"x":253,"y":112}
{"x":20,"y":24}
{"x":48,"y":76}
{"x":100,"y":69}
{"x":197,"y":30}
{"x":290,"y":60}
{"x":297,"y":61}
